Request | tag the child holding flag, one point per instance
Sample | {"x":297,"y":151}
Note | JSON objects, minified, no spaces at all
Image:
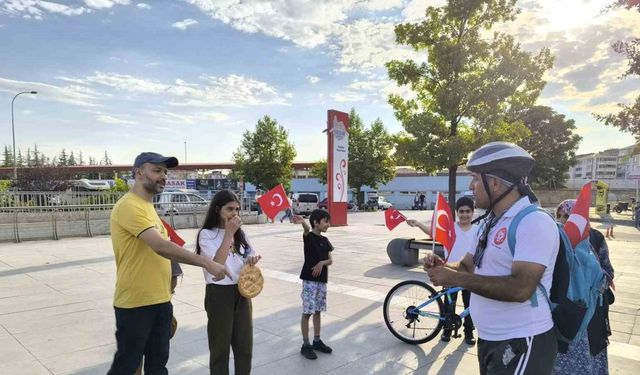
{"x":314,"y":275}
{"x":465,"y":232}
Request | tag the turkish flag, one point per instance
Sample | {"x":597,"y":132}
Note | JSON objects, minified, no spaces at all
{"x":393,"y":217}
{"x":577,"y":226}
{"x":443,"y":227}
{"x":274,"y":201}
{"x":173,"y":236}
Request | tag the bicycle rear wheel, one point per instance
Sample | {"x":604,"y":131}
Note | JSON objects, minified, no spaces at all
{"x":404,"y":320}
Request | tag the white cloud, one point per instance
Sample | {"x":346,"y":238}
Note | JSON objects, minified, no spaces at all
{"x":305,"y":23}
{"x":228,"y":91}
{"x":376,"y":90}
{"x":72,"y":94}
{"x":184,"y":24}
{"x":124,"y":82}
{"x":108,"y":119}
{"x":378,"y":5}
{"x":105,"y":4}
{"x":143,"y":6}
{"x":188,"y":119}
{"x":37,"y":8}
{"x":365,"y":46}
{"x":313,"y":79}
{"x":415,"y":9}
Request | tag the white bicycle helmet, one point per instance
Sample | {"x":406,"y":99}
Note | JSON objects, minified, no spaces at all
{"x":506,"y":160}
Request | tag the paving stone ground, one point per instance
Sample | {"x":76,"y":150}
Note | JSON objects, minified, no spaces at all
{"x":56,"y":314}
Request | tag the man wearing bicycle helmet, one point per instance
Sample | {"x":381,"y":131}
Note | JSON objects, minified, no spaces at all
{"x":515,"y":337}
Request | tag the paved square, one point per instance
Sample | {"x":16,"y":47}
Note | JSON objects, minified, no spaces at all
{"x":56,"y":314}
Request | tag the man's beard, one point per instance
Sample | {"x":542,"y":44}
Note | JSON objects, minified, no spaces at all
{"x":151,"y":186}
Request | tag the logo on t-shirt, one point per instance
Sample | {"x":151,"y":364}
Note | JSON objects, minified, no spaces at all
{"x":499,"y":238}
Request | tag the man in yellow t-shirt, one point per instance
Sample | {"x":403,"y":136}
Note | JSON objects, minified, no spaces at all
{"x":142,"y":299}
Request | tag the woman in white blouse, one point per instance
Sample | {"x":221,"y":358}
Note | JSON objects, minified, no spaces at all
{"x":230,"y":323}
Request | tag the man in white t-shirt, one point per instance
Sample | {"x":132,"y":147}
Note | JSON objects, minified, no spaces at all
{"x":515,"y":337}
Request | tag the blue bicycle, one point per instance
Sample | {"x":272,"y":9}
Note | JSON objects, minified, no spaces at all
{"x":415,"y":312}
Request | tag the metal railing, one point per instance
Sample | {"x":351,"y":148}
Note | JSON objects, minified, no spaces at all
{"x":38,"y":222}
{"x":50,"y":199}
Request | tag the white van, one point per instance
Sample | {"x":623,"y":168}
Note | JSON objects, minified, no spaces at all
{"x":304,"y":203}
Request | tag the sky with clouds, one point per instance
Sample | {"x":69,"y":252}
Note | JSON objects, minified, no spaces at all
{"x":128,"y":76}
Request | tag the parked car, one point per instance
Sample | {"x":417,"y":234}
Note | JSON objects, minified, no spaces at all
{"x":323,"y":204}
{"x":179,"y":203}
{"x":378,"y":202}
{"x":304,"y":203}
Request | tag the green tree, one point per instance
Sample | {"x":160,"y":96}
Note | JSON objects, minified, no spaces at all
{"x":72,"y":159}
{"x":319,"y":171}
{"x":20,"y":159}
{"x":80,"y":158}
{"x":120,"y":185}
{"x":5,"y":185}
{"x":265,"y":156}
{"x":36,"y":160}
{"x":63,"y":158}
{"x":7,"y":157}
{"x":628,"y":118}
{"x":370,"y":155}
{"x":468,"y":85}
{"x":44,"y":179}
{"x":105,"y":160}
{"x":552,"y":143}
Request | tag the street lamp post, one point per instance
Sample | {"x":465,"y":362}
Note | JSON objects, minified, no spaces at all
{"x":13,"y":133}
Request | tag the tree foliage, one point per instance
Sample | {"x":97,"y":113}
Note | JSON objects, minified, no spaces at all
{"x":43,"y":179}
{"x":120,"y":185}
{"x":470,"y":83}
{"x":370,"y":154}
{"x":552,"y":143}
{"x":265,"y":156}
{"x":628,"y":118}
{"x":371,"y":161}
{"x":319,"y":171}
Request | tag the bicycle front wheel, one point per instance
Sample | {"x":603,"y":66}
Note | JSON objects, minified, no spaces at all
{"x":405,"y":320}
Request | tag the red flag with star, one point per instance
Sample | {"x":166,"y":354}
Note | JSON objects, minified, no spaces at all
{"x":393,"y":217}
{"x":577,"y":226}
{"x":274,"y":201}
{"x":443,"y":227}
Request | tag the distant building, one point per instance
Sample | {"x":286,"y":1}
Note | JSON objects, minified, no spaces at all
{"x":619,"y":166}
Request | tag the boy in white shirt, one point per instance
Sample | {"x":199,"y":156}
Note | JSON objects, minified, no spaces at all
{"x":465,"y":235}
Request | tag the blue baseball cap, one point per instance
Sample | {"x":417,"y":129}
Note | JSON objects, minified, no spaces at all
{"x":155,"y":158}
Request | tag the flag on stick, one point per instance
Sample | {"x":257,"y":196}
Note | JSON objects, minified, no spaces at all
{"x":443,"y":227}
{"x":393,"y":217}
{"x":577,"y":226}
{"x":274,"y":201}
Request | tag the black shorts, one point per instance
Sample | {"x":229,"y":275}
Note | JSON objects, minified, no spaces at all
{"x":533,"y":355}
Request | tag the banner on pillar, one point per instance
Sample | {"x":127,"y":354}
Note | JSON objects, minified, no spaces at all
{"x":337,"y":165}
{"x":340,"y":151}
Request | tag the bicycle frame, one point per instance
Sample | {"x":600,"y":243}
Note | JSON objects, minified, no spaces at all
{"x":446,"y":292}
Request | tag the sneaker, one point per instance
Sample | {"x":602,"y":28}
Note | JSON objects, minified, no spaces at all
{"x":446,"y":336}
{"x":321,"y":347}
{"x":307,"y":352}
{"x":469,"y":339}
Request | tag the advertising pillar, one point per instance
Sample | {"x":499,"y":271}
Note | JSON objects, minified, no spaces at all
{"x":337,"y":166}
{"x":602,"y":194}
